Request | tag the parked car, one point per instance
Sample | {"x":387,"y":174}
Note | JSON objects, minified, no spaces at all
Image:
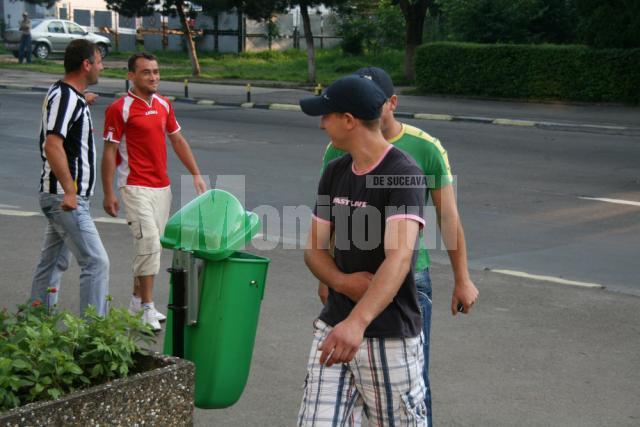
{"x":52,"y":36}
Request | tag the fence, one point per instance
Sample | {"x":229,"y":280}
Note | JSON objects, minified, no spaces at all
{"x":224,"y":32}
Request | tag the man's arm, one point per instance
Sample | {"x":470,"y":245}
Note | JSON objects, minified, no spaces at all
{"x":464,"y":291}
{"x":341,"y":344}
{"x":322,"y":265}
{"x":184,"y":153}
{"x":57,"y":158}
{"x":110,"y":201}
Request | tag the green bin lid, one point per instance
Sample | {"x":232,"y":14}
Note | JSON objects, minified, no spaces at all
{"x":212,"y":226}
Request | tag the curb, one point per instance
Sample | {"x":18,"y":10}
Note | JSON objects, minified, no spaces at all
{"x":575,"y":127}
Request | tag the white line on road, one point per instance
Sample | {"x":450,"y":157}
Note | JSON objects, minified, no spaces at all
{"x":9,"y":212}
{"x":617,"y":201}
{"x":552,"y":279}
{"x":8,"y":206}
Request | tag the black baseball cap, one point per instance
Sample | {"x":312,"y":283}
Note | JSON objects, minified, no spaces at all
{"x":356,"y":95}
{"x":379,"y":77}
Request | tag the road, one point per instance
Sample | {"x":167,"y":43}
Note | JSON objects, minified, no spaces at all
{"x":526,"y":195}
{"x":535,"y":352}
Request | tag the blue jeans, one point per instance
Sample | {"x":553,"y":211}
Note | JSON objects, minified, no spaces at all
{"x":25,"y":48}
{"x":423,"y":285}
{"x":71,"y":232}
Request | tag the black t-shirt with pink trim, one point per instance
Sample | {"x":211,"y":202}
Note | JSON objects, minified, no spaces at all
{"x":358,"y":204}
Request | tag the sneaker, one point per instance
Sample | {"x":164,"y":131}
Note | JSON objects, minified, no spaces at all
{"x":149,"y":318}
{"x":135,"y":306}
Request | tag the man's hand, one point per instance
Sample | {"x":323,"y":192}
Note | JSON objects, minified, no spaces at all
{"x":342,"y":343}
{"x":69,"y":202}
{"x":465,"y":293}
{"x":110,"y":204}
{"x":356,"y":284}
{"x":199,"y":184}
{"x":91,"y":97}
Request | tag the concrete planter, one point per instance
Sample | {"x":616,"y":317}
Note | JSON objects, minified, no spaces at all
{"x":160,"y":394}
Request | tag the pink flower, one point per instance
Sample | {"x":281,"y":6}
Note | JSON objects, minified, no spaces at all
{"x":52,"y":290}
{"x":36,"y":303}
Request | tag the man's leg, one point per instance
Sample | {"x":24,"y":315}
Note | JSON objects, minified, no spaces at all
{"x":330,"y":393}
{"x":423,"y":284}
{"x":21,"y":48}
{"x":81,"y":237}
{"x":140,"y":209}
{"x":53,"y":255}
{"x":28,"y":48}
{"x":388,"y":374}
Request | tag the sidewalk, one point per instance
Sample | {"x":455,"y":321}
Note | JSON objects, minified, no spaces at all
{"x":531,"y":353}
{"x":616,"y":119}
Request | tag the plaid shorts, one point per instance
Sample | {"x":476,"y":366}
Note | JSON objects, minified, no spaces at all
{"x":384,"y":379}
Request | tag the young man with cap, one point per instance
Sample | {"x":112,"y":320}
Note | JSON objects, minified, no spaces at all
{"x":25,"y":39}
{"x":367,"y":346}
{"x":432,"y":159}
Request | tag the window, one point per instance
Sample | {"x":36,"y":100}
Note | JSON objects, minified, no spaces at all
{"x":74,"y":28}
{"x":55,"y":27}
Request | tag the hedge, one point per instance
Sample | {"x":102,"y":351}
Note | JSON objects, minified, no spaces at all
{"x":574,"y":73}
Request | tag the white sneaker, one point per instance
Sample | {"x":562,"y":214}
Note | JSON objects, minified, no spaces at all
{"x":161,"y":317}
{"x":149,"y":318}
{"x":135,"y":306}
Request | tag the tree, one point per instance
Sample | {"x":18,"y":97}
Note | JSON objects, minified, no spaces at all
{"x":511,"y":21}
{"x":47,"y":3}
{"x":613,"y":23}
{"x":133,"y":8}
{"x":415,"y":12}
{"x":256,"y":9}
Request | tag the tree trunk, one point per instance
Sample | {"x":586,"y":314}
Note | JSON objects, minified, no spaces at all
{"x":311,"y":50}
{"x":414,"y":15}
{"x":191,"y":45}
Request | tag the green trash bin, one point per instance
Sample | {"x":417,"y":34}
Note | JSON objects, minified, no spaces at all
{"x":224,"y":292}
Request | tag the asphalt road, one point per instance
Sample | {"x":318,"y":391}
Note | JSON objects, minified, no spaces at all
{"x":535,"y":352}
{"x":523,"y":192}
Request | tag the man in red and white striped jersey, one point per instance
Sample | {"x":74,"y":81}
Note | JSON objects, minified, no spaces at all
{"x":134,"y":132}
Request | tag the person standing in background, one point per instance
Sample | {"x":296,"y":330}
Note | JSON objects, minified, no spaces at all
{"x":25,"y":39}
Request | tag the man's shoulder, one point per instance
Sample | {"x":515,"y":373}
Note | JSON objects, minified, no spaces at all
{"x":163,"y":100}
{"x":415,"y":135}
{"x":118,"y":103}
{"x":338,"y":163}
{"x":398,"y":161}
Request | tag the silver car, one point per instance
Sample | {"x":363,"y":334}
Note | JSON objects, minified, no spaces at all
{"x":52,"y":36}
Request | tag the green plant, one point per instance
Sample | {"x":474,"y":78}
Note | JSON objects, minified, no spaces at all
{"x":45,"y":354}
{"x":566,"y":72}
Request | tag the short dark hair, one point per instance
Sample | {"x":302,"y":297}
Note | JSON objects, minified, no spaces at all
{"x":131,"y":64}
{"x":76,"y":52}
{"x":371,"y":124}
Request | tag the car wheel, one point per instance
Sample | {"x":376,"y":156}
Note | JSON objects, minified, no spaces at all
{"x":104,"y":50}
{"x":16,"y":53}
{"x":41,"y":51}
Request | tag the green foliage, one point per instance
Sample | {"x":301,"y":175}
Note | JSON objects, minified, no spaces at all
{"x":280,"y":66}
{"x":371,"y":27}
{"x":531,"y":72}
{"x":614,"y":23}
{"x":510,"y":21}
{"x":44,"y":354}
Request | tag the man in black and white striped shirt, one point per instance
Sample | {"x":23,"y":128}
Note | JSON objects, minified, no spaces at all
{"x":67,"y":180}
